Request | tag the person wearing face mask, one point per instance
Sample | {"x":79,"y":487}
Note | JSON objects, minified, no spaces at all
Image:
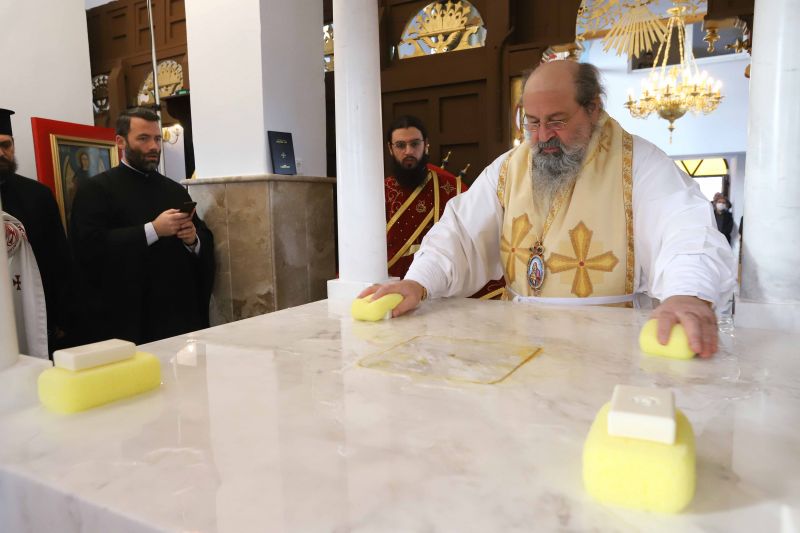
{"x":146,"y":260}
{"x":416,"y":195}
{"x":723,"y":216}
{"x":582,"y":213}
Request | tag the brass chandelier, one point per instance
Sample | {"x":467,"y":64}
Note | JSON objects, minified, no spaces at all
{"x":672,"y":91}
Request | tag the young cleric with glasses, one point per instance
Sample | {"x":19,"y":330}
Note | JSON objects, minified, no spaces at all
{"x":416,"y":194}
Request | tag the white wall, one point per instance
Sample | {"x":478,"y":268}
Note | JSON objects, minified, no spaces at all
{"x":722,"y":132}
{"x":256,"y":65}
{"x":294,"y":80}
{"x":224,"y":47}
{"x":94,"y":3}
{"x":45,"y":67}
{"x":174,"y":162}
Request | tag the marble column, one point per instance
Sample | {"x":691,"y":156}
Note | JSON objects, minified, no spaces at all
{"x":770,"y":292}
{"x":359,"y":149}
{"x":9,"y":349}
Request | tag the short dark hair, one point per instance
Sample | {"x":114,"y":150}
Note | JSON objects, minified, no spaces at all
{"x":406,"y":121}
{"x":124,"y":120}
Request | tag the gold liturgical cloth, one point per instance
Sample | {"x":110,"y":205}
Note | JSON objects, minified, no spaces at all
{"x":588,"y":245}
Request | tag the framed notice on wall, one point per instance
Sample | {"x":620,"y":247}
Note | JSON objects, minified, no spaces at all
{"x":282,"y":152}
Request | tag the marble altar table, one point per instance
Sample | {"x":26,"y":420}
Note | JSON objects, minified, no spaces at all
{"x":302,"y":420}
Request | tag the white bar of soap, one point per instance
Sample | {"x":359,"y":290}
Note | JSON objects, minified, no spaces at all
{"x":95,"y":354}
{"x":642,"y":413}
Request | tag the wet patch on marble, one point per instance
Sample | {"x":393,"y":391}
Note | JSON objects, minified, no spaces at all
{"x":453,"y":359}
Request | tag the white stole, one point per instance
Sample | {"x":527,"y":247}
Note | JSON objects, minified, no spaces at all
{"x":27,"y":293}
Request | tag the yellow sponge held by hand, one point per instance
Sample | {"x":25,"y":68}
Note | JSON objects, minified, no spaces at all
{"x":638,"y":473}
{"x":364,"y":309}
{"x":677,"y":347}
{"x":67,"y":391}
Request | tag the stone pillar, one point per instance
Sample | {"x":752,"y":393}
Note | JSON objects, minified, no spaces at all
{"x":770,"y":291}
{"x":257,"y":66}
{"x":9,"y":349}
{"x":359,"y":149}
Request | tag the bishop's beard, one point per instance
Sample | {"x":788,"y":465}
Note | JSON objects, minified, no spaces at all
{"x":8,"y":167}
{"x":554,"y":172}
{"x":411,"y":178}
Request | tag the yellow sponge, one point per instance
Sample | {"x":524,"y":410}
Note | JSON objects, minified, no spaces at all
{"x":677,"y":347}
{"x":364,"y":309}
{"x":639,"y":473}
{"x":66,"y":391}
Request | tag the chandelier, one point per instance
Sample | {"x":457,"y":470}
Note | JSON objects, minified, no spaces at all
{"x":672,"y":91}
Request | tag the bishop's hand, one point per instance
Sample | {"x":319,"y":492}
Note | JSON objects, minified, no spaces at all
{"x":411,"y":291}
{"x":170,"y":222}
{"x":696,"y":317}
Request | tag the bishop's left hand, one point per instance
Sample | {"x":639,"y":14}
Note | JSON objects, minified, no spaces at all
{"x":696,"y":317}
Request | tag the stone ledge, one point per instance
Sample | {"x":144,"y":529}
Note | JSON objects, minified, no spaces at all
{"x":257,"y":178}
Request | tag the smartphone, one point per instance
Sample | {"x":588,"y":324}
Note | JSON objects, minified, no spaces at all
{"x":187,"y":207}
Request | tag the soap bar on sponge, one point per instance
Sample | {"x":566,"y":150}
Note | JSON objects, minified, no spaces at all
{"x":642,"y":413}
{"x":95,"y":354}
{"x":66,"y":391}
{"x":677,"y":347}
{"x":637,"y":473}
{"x":364,"y":309}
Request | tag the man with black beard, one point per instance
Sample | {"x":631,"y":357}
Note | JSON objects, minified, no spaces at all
{"x":583,"y":213}
{"x":416,"y":193}
{"x":32,"y":203}
{"x":146,"y":266}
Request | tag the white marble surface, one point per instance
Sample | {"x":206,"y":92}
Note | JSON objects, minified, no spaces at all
{"x":271,"y":424}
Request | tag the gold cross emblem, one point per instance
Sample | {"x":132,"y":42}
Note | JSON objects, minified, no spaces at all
{"x":448,"y":188}
{"x":520,"y":227}
{"x":581,"y":238}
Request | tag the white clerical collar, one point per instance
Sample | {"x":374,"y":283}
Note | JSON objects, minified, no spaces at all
{"x":124,"y":162}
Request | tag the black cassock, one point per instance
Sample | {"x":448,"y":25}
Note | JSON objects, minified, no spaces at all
{"x":32,"y":203}
{"x":133,"y":291}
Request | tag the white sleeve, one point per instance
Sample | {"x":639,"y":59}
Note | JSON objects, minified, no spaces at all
{"x":677,"y":245}
{"x":462,"y":251}
{"x":150,"y":233}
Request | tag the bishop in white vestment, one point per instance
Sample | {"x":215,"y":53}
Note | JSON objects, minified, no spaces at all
{"x":583,"y":213}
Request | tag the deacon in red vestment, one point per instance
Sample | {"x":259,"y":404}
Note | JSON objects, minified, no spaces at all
{"x":416,"y":196}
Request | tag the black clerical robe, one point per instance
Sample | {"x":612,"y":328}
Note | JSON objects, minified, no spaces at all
{"x":134,"y":291}
{"x":32,"y":203}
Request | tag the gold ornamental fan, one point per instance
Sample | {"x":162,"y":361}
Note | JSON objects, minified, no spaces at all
{"x":637,"y":30}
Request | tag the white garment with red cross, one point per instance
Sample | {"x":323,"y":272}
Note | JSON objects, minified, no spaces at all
{"x":27,"y":293}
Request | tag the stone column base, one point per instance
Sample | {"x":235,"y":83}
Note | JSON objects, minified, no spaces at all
{"x":274,"y":239}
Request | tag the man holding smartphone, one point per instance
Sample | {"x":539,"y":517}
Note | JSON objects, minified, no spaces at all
{"x":145,"y":260}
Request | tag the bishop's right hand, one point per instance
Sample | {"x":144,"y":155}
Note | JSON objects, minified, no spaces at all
{"x":411,"y":291}
{"x":169,"y":222}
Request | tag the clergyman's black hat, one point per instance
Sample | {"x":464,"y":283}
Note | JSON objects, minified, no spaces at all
{"x":5,"y":121}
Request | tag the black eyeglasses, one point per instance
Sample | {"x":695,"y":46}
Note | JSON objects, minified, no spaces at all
{"x":401,"y":145}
